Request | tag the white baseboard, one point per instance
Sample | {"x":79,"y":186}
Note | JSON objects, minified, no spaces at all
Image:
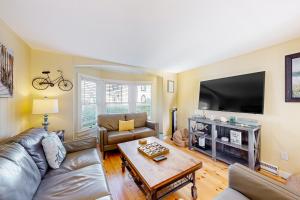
{"x":284,"y":174}
{"x":274,"y":170}
{"x":269,"y":167}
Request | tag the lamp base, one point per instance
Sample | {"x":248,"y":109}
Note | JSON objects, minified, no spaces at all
{"x":45,"y":123}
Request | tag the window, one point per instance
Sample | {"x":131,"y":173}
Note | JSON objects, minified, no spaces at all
{"x":88,"y":104}
{"x":143,"y":100}
{"x":116,"y":98}
{"x":100,"y":96}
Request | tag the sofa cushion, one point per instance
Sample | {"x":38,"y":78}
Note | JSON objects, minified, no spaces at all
{"x":80,"y":144}
{"x":115,"y":137}
{"x":82,"y":184}
{"x":139,"y":119}
{"x":229,"y":193}
{"x":54,"y":150}
{"x":81,"y":159}
{"x":31,"y":140}
{"x":55,"y":172}
{"x":110,"y":121}
{"x":76,"y":160}
{"x":126,"y":125}
{"x":19,"y":175}
{"x":143,"y":132}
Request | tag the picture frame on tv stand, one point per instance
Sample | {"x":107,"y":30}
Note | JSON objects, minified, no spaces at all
{"x":236,"y":137}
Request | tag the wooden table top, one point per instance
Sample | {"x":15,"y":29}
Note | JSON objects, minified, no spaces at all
{"x":156,"y":174}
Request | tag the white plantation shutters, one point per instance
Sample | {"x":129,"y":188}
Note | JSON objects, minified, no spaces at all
{"x":143,"y":100}
{"x":88,"y":103}
{"x":99,"y":96}
{"x":116,"y":98}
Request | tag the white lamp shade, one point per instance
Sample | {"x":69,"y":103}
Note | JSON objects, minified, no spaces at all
{"x":45,"y":106}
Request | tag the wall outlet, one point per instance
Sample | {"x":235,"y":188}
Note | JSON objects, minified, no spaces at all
{"x":284,"y":155}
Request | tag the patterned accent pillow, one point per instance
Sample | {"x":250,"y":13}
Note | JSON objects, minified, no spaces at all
{"x":54,"y":150}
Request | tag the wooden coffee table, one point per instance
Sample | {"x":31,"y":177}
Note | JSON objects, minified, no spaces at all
{"x":158,"y":179}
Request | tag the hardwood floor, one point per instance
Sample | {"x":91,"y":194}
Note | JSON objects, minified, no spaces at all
{"x":211,"y":179}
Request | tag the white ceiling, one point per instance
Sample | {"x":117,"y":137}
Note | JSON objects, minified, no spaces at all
{"x":168,"y":35}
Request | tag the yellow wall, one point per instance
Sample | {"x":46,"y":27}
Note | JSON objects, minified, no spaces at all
{"x":280,"y":121}
{"x":40,"y":61}
{"x":67,"y":117}
{"x":15,"y":111}
{"x":169,"y":102}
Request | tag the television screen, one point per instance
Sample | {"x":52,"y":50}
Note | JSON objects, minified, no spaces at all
{"x":243,"y":93}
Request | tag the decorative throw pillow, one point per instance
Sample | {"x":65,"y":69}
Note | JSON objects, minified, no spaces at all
{"x":54,"y":150}
{"x":126,"y":125}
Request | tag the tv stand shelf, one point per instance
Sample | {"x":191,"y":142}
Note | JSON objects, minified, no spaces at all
{"x":247,"y":154}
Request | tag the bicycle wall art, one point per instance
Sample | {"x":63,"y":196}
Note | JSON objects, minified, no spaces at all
{"x":6,"y":71}
{"x":42,"y":83}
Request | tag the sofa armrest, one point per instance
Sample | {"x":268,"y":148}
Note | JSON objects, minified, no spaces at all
{"x":102,"y":137}
{"x":108,"y":197}
{"x":154,"y":126}
{"x":81,"y":144}
{"x":257,"y":186}
{"x":293,"y":182}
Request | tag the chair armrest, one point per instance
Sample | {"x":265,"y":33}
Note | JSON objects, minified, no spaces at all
{"x":81,"y":144}
{"x":102,"y":137}
{"x":154,"y":126}
{"x":257,"y":186}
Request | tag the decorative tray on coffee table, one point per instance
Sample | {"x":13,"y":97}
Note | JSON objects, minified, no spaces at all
{"x":152,"y":150}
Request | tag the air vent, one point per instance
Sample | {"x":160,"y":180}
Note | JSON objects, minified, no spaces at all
{"x":269,"y":167}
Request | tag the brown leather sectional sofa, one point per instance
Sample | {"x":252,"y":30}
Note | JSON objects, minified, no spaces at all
{"x":25,"y":174}
{"x":110,"y":135}
{"x":246,"y":184}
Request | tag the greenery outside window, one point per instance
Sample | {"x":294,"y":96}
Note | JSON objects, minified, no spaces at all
{"x":88,"y":104}
{"x":116,"y":98}
{"x":143,"y":100}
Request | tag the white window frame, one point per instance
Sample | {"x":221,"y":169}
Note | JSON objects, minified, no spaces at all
{"x":135,"y":98}
{"x":101,"y":92}
{"x":79,"y":106}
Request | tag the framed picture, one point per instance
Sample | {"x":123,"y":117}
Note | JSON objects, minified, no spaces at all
{"x":170,"y":86}
{"x":292,"y":78}
{"x":6,"y":71}
{"x":236,"y":137}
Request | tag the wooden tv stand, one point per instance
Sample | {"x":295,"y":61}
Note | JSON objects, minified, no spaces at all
{"x":247,"y":154}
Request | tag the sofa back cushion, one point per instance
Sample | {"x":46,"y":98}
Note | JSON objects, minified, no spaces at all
{"x":19,"y":175}
{"x":140,"y":119}
{"x":110,"y":121}
{"x":31,"y":140}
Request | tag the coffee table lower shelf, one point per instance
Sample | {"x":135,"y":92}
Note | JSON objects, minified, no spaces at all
{"x":164,"y":190}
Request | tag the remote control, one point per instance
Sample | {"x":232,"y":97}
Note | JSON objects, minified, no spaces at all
{"x":159,"y":158}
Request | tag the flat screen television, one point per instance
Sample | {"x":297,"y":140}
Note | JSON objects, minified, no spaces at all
{"x":243,"y":93}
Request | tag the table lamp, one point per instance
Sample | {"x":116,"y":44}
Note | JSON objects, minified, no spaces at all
{"x":44,"y":107}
